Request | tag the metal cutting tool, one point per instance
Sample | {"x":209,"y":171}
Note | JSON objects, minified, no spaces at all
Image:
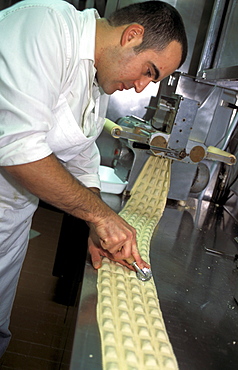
{"x":143,"y":274}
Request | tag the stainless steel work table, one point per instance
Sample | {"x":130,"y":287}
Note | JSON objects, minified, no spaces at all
{"x":195,"y":289}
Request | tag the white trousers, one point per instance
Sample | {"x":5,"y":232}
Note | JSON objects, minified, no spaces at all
{"x":17,"y":207}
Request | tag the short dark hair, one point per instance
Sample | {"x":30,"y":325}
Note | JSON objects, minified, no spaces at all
{"x":162,"y":24}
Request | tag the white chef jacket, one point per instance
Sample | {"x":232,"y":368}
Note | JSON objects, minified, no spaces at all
{"x":49,"y":98}
{"x":49,"y":103}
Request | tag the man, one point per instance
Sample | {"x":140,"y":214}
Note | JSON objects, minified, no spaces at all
{"x":57,"y":67}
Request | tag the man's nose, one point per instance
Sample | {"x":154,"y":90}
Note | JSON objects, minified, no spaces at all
{"x":140,"y":84}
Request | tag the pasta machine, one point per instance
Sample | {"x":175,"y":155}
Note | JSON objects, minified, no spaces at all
{"x":167,"y":134}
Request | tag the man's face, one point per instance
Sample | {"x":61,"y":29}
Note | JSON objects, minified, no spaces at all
{"x":121,"y":69}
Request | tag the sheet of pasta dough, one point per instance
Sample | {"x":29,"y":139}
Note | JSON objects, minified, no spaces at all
{"x":132,"y":330}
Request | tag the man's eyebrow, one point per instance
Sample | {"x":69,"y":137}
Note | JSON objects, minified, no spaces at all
{"x":157,"y":73}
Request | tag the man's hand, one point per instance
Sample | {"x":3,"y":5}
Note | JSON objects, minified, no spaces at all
{"x":97,"y":253}
{"x":116,"y":235}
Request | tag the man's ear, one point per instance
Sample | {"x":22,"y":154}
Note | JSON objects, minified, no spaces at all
{"x":132,"y":34}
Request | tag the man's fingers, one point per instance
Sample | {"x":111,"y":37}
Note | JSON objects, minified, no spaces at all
{"x":96,"y":261}
{"x":95,"y":254}
{"x":117,"y":241}
{"x":120,"y":240}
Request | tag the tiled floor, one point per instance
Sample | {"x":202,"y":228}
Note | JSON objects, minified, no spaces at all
{"x":42,"y":329}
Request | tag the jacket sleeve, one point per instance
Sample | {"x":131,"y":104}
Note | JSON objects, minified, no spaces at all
{"x":85,"y":167}
{"x":30,"y":82}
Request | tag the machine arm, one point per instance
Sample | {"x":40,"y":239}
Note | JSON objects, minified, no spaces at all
{"x":157,"y":143}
